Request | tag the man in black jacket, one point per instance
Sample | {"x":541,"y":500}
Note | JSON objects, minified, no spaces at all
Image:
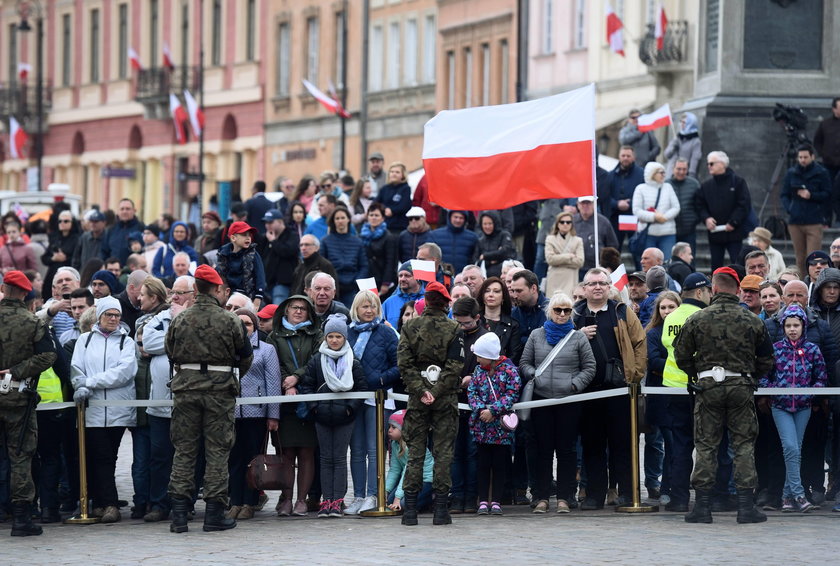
{"x":280,"y":255}
{"x":680,"y":265}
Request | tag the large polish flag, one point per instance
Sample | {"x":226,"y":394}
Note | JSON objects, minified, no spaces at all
{"x":659,"y":118}
{"x":659,"y":27}
{"x":495,"y":157}
{"x":17,"y":139}
{"x":614,"y":35}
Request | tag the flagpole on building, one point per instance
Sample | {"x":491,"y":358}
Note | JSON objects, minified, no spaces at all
{"x":344,"y":16}
{"x":201,"y":106}
{"x":363,"y":104}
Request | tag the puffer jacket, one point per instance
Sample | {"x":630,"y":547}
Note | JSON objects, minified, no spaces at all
{"x":644,"y":198}
{"x":332,"y":412}
{"x":816,"y":179}
{"x":797,"y":364}
{"x":496,"y":391}
{"x":828,"y":313}
{"x":106,"y":365}
{"x":261,"y":380}
{"x":347,"y":254}
{"x":154,"y":337}
{"x":410,"y":242}
{"x":243,"y":270}
{"x":495,"y":247}
{"x":817,"y":331}
{"x":379,"y":361}
{"x":456,"y":244}
{"x":573,"y":365}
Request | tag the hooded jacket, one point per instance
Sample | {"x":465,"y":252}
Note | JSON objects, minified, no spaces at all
{"x":410,"y":242}
{"x":162,"y":266}
{"x":644,"y":199}
{"x":685,"y":145}
{"x":816,"y":330}
{"x":116,"y":239}
{"x":829,"y":313}
{"x":571,"y":371}
{"x":496,"y":247}
{"x":456,"y":244}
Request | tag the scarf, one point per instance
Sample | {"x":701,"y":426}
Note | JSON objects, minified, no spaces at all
{"x":295,"y":327}
{"x":337,"y":367}
{"x":369,"y":234}
{"x":365,"y":330}
{"x":555,"y":332}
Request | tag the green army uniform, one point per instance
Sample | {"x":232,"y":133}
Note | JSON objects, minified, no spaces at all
{"x":431,"y":339}
{"x":204,"y":343}
{"x":729,"y":336}
{"x":26,"y":350}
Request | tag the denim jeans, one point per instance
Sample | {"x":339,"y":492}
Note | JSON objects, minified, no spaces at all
{"x":791,"y":427}
{"x":363,"y":447}
{"x":664,"y":243}
{"x":141,"y":446}
{"x":160,"y":462}
{"x":424,"y":498}
{"x":654,"y":457}
{"x":464,"y":462}
{"x":280,"y":293}
{"x":540,"y":266}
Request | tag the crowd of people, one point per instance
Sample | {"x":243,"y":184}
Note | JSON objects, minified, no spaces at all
{"x":517,"y":309}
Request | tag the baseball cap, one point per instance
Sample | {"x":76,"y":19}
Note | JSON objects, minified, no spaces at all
{"x":267,"y":312}
{"x":640,"y":275}
{"x":728,"y":271}
{"x":587,"y":198}
{"x":376,"y":155}
{"x":695,"y":281}
{"x":272,"y":215}
{"x":415,"y":212}
{"x":819,"y":254}
{"x":95,"y":216}
{"x":240,"y":227}
{"x":751,"y":283}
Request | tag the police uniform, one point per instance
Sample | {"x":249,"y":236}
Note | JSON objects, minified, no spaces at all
{"x":430,"y":340}
{"x":205,"y":344}
{"x":26,"y":350}
{"x":724,"y":349}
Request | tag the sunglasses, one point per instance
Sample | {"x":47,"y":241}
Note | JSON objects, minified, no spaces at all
{"x":64,"y":221}
{"x":562,"y":310}
{"x":818,"y":262}
{"x":710,"y":163}
{"x":564,"y":221}
{"x":784,"y":282}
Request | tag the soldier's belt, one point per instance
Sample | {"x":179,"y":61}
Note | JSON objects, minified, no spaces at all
{"x":718,"y":373}
{"x":205,"y":367}
{"x":8,"y":384}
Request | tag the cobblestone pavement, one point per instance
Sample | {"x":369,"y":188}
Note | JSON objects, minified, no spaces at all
{"x":593,"y":537}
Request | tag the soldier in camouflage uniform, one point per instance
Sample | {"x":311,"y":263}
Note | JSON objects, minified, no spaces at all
{"x":205,"y":345}
{"x":724,"y":349}
{"x":431,"y":339}
{"x":26,"y":350}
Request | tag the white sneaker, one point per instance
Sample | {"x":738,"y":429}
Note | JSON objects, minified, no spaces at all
{"x":355,"y":505}
{"x":368,"y":503}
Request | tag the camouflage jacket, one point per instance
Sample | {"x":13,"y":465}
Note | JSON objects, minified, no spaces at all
{"x":724,"y":334}
{"x":427,"y":340}
{"x":26,"y":348}
{"x":206,"y":333}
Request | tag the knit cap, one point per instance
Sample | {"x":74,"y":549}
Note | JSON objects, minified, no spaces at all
{"x":106,"y":304}
{"x":397,"y":418}
{"x":336,"y":323}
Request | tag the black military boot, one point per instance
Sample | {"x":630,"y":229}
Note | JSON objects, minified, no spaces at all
{"x":702,"y":512}
{"x":180,"y":508}
{"x":22,"y":525}
{"x":409,"y":509}
{"x":747,"y":511}
{"x":441,"y":510}
{"x":214,"y":517}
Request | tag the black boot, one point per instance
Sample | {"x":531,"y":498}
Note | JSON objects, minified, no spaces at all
{"x":180,"y":507}
{"x":441,"y":511}
{"x":747,"y":511}
{"x":22,"y":525}
{"x":409,"y":509}
{"x":702,"y":512}
{"x":214,"y":517}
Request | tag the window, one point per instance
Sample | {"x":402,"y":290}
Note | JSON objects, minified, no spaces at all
{"x":94,"y":45}
{"x":548,"y":27}
{"x":250,"y":31}
{"x":485,"y":74}
{"x":13,"y":56}
{"x":284,"y":60}
{"x":468,"y":77}
{"x":580,"y":24}
{"x":66,"y":49}
{"x":216,"y":34}
{"x":394,"y":55}
{"x":504,"y":80}
{"x":450,"y":79}
{"x":339,"y":49}
{"x":375,"y":56}
{"x":312,"y":49}
{"x":429,"y":49}
{"x":185,"y":33}
{"x":410,"y":62}
{"x":154,"y":16}
{"x":122,"y":40}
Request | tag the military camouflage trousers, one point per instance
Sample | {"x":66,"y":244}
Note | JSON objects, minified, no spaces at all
{"x":441,"y":421}
{"x":196,"y":415}
{"x":728,"y":405}
{"x":12,"y":409}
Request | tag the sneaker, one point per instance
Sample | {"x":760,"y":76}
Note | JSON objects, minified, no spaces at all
{"x":301,"y":509}
{"x":483,"y":509}
{"x":521,"y":497}
{"x":368,"y":503}
{"x":324,"y":510}
{"x":284,"y":507}
{"x":496,"y":509}
{"x":261,"y":501}
{"x":787,"y":505}
{"x":562,"y":506}
{"x":111,"y":515}
{"x":803,"y":505}
{"x":246,"y":513}
{"x":542,"y":506}
{"x":336,"y":508}
{"x":355,"y":506}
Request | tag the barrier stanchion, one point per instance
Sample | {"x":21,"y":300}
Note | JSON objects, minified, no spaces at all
{"x":82,"y":518}
{"x":381,"y":497}
{"x":637,"y":506}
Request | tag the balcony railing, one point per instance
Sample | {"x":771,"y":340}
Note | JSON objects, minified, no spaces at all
{"x":155,"y":84}
{"x":674,"y":47}
{"x":20,"y":100}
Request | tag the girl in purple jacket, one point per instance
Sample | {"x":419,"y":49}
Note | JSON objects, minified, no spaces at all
{"x":799,"y":363}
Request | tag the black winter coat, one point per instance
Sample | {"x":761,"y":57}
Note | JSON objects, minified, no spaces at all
{"x":335,"y":412}
{"x":382,"y":258}
{"x":726,"y":198}
{"x":280,"y":258}
{"x":496,"y":248}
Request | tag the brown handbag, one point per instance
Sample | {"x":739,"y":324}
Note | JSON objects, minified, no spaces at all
{"x":268,"y":471}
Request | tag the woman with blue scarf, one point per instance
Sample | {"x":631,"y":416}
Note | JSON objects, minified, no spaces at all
{"x":375,"y":345}
{"x":559,"y":358}
{"x":381,"y":248}
{"x":686,"y":145}
{"x":179,"y":241}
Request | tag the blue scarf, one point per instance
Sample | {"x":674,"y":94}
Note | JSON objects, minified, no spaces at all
{"x":365,"y":330}
{"x":294,"y":327}
{"x":555,"y":332}
{"x":370,"y":234}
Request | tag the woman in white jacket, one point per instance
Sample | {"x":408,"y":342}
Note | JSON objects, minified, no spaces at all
{"x":103,"y":368}
{"x":657,"y":217}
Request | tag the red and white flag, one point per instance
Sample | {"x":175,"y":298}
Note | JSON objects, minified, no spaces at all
{"x":368,"y":284}
{"x":512,"y":153}
{"x":659,"y":118}
{"x":619,"y":277}
{"x":659,"y":27}
{"x":17,"y":139}
{"x":167,"y":57}
{"x":23,"y":71}
{"x":334,"y":94}
{"x":628,"y":222}
{"x":424,"y":270}
{"x":614,"y":35}
{"x":195,"y":113}
{"x":179,"y":117}
{"x":326,"y":101}
{"x":134,"y":59}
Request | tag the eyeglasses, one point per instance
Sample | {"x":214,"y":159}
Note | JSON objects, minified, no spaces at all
{"x":710,"y":163}
{"x":636,"y":117}
{"x":564,"y":222}
{"x":64,"y":221}
{"x":305,"y":245}
{"x":835,"y":247}
{"x":112,"y":315}
{"x":298,"y":308}
{"x":562,"y":310}
{"x":182,"y":293}
{"x":413,"y":218}
{"x":326,"y":186}
{"x":596,"y":284}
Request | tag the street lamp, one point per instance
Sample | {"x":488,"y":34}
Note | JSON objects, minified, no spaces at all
{"x":27,"y":9}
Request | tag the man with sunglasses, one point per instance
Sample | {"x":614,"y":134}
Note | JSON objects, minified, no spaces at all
{"x":816,"y":262}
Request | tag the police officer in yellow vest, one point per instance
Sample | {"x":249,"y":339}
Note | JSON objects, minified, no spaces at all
{"x":696,"y":294}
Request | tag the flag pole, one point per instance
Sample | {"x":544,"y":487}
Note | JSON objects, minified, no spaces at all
{"x":344,"y":16}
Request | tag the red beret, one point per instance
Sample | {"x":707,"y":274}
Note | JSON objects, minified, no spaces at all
{"x":728,"y":271}
{"x":207,"y":273}
{"x":438,"y":288}
{"x":267,"y":312}
{"x":18,"y":279}
{"x":241,"y":228}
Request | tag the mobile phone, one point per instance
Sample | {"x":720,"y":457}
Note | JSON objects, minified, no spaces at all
{"x":589,"y":320}
{"x":66,"y":296}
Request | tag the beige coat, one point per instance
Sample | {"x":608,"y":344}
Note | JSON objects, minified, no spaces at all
{"x":564,"y":257}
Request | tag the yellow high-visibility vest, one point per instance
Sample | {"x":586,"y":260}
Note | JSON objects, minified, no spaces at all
{"x":672,"y":375}
{"x":49,"y":387}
